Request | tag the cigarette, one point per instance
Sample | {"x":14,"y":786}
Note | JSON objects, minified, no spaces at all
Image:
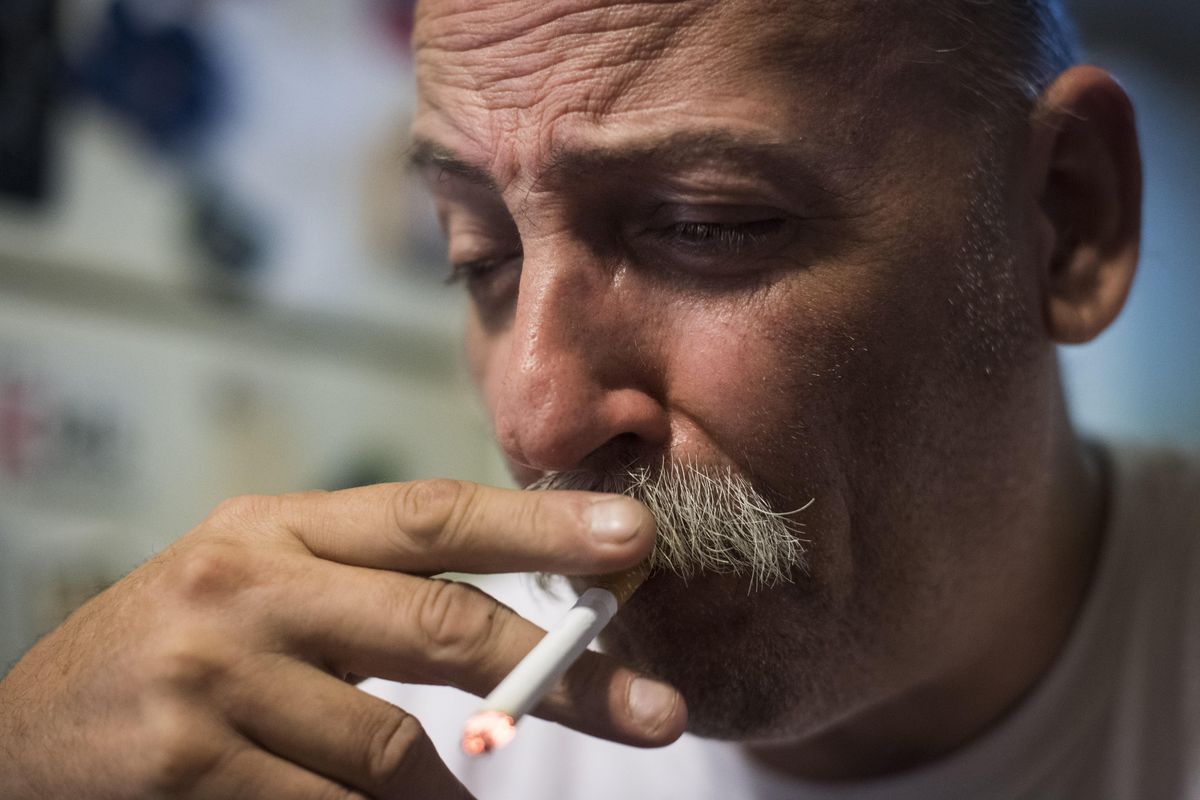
{"x":495,"y":724}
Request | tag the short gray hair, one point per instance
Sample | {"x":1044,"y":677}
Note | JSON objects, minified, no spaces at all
{"x":1008,"y":51}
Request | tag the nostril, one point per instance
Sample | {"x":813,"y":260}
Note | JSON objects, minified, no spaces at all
{"x":622,"y":452}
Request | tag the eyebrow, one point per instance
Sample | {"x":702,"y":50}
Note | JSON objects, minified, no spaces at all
{"x":674,"y":151}
{"x":427,"y":154}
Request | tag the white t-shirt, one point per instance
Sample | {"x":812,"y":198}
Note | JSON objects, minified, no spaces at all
{"x":1117,"y":716}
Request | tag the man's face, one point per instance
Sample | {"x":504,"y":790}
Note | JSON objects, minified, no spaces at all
{"x":749,"y":238}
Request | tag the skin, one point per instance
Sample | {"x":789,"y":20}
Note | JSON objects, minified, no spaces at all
{"x":853,"y":351}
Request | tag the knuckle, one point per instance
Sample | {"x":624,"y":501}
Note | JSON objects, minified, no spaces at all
{"x":392,"y":740}
{"x":424,"y":510}
{"x":211,"y":571}
{"x":186,"y":662}
{"x":177,"y":755}
{"x":456,"y":621}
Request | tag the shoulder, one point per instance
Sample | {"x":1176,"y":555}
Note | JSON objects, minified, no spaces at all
{"x":1154,"y":552}
{"x":1154,"y":496}
{"x":1159,"y":470}
{"x":1153,"y":530}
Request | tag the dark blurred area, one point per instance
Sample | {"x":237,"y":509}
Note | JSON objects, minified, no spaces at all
{"x":29,"y":82}
{"x":217,"y":277}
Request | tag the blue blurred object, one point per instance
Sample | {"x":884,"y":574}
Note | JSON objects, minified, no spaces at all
{"x":151,"y":66}
{"x":158,"y":75}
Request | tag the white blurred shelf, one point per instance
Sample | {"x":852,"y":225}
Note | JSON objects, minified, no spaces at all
{"x":429,"y":343}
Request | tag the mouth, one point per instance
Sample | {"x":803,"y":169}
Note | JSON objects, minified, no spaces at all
{"x":670,"y":615}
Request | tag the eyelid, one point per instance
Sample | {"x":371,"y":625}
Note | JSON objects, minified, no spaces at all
{"x":469,"y":269}
{"x":473,"y":235}
{"x":470,"y":207}
{"x":667,"y":214}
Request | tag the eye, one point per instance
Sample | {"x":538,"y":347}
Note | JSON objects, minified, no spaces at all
{"x":476,"y":269}
{"x":715,"y":240}
{"x":490,"y":280}
{"x":726,"y":237}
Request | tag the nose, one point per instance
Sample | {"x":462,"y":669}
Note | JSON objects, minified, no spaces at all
{"x":582,"y":381}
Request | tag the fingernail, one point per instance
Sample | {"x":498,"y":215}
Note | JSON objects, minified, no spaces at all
{"x":614,"y":521}
{"x":650,"y":702}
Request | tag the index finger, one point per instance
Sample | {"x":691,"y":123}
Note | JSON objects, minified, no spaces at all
{"x":433,"y":526}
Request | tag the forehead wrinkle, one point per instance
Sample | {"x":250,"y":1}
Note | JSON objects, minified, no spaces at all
{"x":774,"y":33}
{"x":510,"y":56}
{"x":472,"y":25}
{"x":597,"y":50}
{"x":532,"y":72}
{"x":571,"y":81}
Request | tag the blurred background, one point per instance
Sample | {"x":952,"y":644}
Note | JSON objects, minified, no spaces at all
{"x":216,"y":276}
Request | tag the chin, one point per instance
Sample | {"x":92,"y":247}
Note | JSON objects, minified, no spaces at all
{"x":744,"y":661}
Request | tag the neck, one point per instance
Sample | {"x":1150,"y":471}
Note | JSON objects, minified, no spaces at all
{"x":1022,"y":625}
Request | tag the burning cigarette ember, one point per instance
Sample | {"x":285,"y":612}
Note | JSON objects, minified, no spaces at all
{"x":494,"y":725}
{"x":487,"y":731}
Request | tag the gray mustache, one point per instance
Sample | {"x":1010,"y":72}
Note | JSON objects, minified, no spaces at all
{"x":710,"y":520}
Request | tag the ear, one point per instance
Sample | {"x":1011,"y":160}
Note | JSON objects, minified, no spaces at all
{"x":1085,"y":174}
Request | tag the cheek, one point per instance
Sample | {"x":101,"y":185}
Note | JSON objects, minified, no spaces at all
{"x":768,"y":371}
{"x":765,"y":388}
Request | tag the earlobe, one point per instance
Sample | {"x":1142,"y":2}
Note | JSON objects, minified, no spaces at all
{"x":1088,"y":183}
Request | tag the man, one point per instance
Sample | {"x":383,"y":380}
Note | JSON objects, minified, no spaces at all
{"x":805,"y":262}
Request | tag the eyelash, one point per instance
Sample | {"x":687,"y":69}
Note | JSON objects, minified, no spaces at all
{"x":729,"y":237}
{"x":468,"y":271}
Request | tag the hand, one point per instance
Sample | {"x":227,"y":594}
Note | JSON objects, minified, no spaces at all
{"x":217,"y":669}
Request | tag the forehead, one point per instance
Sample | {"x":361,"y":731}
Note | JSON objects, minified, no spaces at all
{"x":508,"y":82}
{"x":598,"y":30}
